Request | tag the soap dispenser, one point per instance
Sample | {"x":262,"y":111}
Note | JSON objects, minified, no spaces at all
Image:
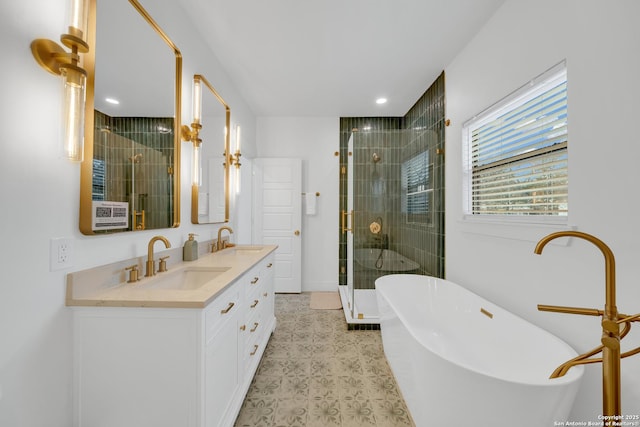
{"x":190,"y":250}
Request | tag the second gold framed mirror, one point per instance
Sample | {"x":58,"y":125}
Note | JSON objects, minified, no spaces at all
{"x":211,"y":163}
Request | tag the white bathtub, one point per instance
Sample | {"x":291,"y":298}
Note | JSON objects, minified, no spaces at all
{"x":456,"y":366}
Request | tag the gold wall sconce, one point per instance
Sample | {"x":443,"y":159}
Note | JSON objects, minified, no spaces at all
{"x":193,"y":134}
{"x":234,"y":158}
{"x":56,"y":60}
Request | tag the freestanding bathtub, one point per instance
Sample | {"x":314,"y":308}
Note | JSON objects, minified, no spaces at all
{"x":460,"y":360}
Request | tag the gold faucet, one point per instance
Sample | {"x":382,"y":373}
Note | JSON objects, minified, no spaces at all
{"x":150,"y":262}
{"x":611,"y":320}
{"x":221,"y":244}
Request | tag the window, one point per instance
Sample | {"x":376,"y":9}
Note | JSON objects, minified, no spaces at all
{"x":516,"y":153}
{"x":417,"y":189}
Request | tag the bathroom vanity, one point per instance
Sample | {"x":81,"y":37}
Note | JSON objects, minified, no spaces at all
{"x":176,"y":349}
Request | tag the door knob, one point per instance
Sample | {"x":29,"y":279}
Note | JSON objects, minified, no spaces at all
{"x":297,"y":232}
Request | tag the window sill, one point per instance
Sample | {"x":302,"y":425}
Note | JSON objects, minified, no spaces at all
{"x":514,"y":228}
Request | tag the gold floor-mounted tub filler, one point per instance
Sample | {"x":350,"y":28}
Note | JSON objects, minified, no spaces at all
{"x":611,"y":333}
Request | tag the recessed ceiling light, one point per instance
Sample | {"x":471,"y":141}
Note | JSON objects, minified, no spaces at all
{"x":112,"y":101}
{"x":381,"y":101}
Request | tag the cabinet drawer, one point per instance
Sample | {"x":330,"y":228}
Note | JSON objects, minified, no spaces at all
{"x":253,"y":284}
{"x":268,"y":267}
{"x":221,"y":309}
{"x":259,"y":275}
{"x":252,"y":353}
{"x":253,"y":327}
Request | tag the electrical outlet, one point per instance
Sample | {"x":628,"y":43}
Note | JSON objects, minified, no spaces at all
{"x":61,"y":252}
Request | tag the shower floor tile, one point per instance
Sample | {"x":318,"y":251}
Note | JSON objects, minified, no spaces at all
{"x":315,"y":372}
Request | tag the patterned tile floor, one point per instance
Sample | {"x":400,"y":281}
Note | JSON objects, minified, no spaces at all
{"x":315,"y":372}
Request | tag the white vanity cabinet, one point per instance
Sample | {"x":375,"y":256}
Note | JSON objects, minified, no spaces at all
{"x":170,"y":367}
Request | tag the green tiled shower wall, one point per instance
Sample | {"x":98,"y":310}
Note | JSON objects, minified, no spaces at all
{"x":395,"y":140}
{"x":138,"y":155}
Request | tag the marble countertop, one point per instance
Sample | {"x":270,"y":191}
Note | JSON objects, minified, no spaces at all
{"x":107,"y":285}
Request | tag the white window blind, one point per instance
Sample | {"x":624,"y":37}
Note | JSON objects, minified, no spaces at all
{"x":417,"y":188}
{"x":517,"y":152}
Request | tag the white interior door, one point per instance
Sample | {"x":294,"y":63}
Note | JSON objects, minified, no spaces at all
{"x":278,"y":217}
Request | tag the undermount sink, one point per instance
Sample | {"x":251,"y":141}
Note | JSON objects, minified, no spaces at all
{"x":186,"y":279}
{"x":247,"y":250}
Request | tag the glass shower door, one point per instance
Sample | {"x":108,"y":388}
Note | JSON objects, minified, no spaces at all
{"x":348,"y":226}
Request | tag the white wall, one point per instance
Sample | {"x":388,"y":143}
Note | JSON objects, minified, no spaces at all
{"x":600,"y":41}
{"x":314,"y":140}
{"x":39,"y":193}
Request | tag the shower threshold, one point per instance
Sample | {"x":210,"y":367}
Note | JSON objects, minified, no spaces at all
{"x":365,"y":306}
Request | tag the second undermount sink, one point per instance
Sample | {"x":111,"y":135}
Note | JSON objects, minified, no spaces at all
{"x":247,"y":250}
{"x":186,"y":279}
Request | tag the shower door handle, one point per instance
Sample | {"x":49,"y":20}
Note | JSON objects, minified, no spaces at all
{"x":345,"y":216}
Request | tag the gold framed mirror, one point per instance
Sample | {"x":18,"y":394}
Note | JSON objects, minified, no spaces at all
{"x":210,"y":135}
{"x":130,"y":175}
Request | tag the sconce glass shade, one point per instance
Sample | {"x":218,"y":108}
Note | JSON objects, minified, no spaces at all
{"x":236,"y":157}
{"x":237,"y":181}
{"x":197,"y":101}
{"x":196,"y":166}
{"x":79,"y":16}
{"x":74,"y":86}
{"x":238,"y":138}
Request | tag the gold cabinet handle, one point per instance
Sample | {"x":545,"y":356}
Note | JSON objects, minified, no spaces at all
{"x":255,"y":280}
{"x":226,"y":310}
{"x":266,"y":294}
{"x":297,"y":232}
{"x":243,"y":327}
{"x":255,"y":302}
{"x":255,"y":350}
{"x":255,"y":326}
{"x":270,"y":265}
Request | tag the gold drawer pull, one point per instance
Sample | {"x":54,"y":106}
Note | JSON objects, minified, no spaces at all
{"x":255,"y":280}
{"x":270,"y":265}
{"x":255,"y":326}
{"x":265,"y":294}
{"x":226,"y":310}
{"x":255,"y":302}
{"x":255,"y":350}
{"x":243,"y":327}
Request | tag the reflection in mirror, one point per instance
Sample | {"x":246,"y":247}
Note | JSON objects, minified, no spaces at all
{"x":210,"y":137}
{"x":130,"y":175}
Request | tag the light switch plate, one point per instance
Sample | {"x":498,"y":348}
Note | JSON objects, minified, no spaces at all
{"x":61,"y":253}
